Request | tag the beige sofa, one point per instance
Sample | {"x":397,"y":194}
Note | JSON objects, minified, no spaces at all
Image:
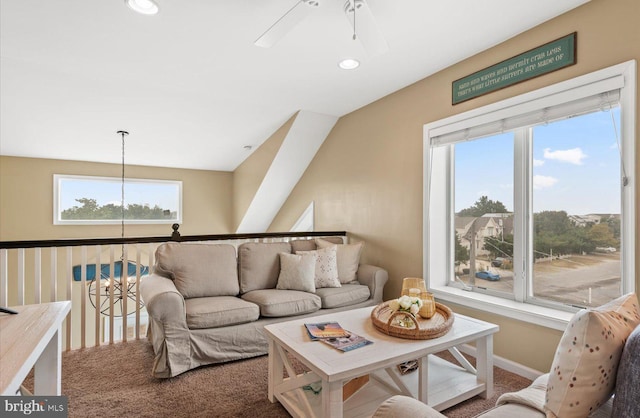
{"x":208,"y":305}
{"x":598,"y":355}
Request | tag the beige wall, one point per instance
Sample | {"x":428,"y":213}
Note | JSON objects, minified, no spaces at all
{"x":367,"y":176}
{"x":248,"y":176}
{"x":26,"y":193}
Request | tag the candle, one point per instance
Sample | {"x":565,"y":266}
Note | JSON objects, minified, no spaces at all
{"x":414,"y":291}
{"x":428,"y":308}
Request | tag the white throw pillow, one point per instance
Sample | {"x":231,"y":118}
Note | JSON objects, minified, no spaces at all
{"x":297,"y":272}
{"x":326,"y":267}
{"x":583,"y":373}
{"x":348,"y":258}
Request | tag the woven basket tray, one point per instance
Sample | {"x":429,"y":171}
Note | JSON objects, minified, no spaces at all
{"x":440,"y":323}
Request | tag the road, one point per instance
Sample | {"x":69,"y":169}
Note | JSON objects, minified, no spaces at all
{"x":590,"y":280}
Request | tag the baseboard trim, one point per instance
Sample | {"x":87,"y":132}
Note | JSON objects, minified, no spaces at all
{"x":506,"y":364}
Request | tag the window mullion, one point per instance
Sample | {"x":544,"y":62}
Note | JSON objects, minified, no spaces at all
{"x":522,"y":210}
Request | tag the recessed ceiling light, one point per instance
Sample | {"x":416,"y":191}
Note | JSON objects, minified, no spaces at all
{"x":145,"y":7}
{"x":349,"y":64}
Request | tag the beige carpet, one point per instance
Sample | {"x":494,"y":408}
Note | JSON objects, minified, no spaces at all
{"x":115,"y":381}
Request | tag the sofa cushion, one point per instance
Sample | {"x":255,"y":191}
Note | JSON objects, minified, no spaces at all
{"x":297,"y":272}
{"x":347,"y":256}
{"x":326,"y":267}
{"x":219,"y":311}
{"x":310,"y":244}
{"x":259,"y":264}
{"x":512,"y":410}
{"x":403,"y":406}
{"x":625,"y":403}
{"x":277,"y":303}
{"x":583,"y":372}
{"x":348,"y":294}
{"x":199,"y":270}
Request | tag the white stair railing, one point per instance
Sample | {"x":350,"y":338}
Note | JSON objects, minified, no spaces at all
{"x":34,"y":272}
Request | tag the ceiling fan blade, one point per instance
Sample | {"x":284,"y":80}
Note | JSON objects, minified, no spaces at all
{"x":286,"y":23}
{"x":366,"y":28}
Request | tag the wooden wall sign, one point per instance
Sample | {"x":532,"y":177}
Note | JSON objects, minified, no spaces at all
{"x":544,"y":59}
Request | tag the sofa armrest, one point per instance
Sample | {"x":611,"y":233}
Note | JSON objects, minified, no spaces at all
{"x":163,"y":300}
{"x":375,"y":278}
{"x":168,"y":331}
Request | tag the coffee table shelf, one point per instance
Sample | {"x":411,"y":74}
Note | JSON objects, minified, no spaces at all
{"x":447,"y":382}
{"x":437,"y":382}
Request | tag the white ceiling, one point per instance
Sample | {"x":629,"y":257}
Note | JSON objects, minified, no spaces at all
{"x":193,"y":89}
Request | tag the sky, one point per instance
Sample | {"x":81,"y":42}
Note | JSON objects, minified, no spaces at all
{"x":576,"y":167}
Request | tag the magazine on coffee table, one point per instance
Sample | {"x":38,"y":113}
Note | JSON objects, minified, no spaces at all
{"x":348,"y":343}
{"x":326,"y":330}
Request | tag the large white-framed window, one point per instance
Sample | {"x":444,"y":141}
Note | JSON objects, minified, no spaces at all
{"x":529,"y":206}
{"x":93,"y":200}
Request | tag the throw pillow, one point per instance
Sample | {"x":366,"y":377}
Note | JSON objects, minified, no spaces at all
{"x":348,"y":258}
{"x":326,"y":274}
{"x":583,"y":372}
{"x":297,"y":272}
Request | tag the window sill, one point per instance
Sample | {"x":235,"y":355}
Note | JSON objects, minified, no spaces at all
{"x":538,"y":315}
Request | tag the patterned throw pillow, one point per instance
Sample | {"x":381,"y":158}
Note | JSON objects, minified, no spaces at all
{"x":326,"y":267}
{"x":348,"y":257}
{"x":583,"y":372}
{"x":297,"y":272}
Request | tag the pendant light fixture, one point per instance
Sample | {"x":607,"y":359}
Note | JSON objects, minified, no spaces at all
{"x":111,"y":288}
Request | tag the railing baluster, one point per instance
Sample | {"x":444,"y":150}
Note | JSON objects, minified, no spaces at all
{"x":111,"y":281}
{"x":53,"y":291}
{"x":83,"y":296}
{"x":97,"y":286}
{"x":37,"y":287}
{"x":21,"y":276}
{"x":4,"y":283}
{"x":152,"y":262}
{"x":124,"y":290}
{"x":68,"y":268}
{"x":137,"y":321}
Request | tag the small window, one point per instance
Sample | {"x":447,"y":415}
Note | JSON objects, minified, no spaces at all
{"x":86,"y":200}
{"x":305,"y":222}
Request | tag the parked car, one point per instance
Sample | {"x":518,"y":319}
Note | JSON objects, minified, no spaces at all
{"x":606,"y":249}
{"x":497,"y":262}
{"x":487,"y":275}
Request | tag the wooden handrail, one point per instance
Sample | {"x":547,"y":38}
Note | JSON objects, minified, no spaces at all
{"x":74,"y":242}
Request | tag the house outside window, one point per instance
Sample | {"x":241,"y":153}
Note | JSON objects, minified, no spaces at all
{"x":552,"y":216}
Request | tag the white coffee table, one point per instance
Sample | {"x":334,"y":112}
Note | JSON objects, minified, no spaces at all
{"x":437,"y":382}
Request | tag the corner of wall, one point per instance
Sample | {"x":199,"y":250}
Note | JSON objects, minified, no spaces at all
{"x":248,"y":176}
